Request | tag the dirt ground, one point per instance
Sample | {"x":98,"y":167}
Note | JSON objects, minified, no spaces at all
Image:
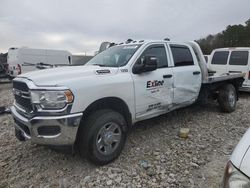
{"x":154,"y":155}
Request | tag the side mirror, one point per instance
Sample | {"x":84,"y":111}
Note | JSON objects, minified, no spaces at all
{"x":145,"y":64}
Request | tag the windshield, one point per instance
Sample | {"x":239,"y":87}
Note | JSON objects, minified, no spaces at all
{"x":116,"y":56}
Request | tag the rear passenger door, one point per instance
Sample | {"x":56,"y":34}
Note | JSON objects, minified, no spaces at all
{"x":187,"y":74}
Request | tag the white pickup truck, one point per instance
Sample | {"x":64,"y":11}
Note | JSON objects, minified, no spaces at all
{"x":93,"y":106}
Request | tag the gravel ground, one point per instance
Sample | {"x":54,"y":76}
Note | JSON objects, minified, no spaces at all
{"x":154,"y":155}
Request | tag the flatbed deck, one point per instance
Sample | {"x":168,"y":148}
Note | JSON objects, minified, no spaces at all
{"x":223,"y":77}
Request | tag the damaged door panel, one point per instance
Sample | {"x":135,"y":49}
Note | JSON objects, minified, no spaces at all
{"x":187,"y":75}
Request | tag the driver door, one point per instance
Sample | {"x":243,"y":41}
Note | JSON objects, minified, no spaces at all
{"x":154,"y":89}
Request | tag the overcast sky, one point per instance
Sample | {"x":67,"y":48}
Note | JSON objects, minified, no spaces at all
{"x":81,"y":25}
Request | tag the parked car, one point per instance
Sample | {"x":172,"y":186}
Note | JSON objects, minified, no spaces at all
{"x":230,"y":60}
{"x":93,"y":106}
{"x":237,"y":172}
{"x":23,"y":60}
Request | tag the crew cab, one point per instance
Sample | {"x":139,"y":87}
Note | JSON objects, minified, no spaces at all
{"x":93,"y":106}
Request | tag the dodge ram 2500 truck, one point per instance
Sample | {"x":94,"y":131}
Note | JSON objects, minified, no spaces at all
{"x":93,"y":106}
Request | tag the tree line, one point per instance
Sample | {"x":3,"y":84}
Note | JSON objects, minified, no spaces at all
{"x":232,"y":36}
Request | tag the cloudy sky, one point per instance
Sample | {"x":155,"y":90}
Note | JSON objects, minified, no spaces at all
{"x":80,"y":25}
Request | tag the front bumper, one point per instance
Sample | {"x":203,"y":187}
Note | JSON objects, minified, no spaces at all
{"x":48,"y":130}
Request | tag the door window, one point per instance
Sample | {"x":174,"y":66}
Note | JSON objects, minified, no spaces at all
{"x":238,"y":58}
{"x":220,"y":58}
{"x":181,"y":55}
{"x":159,"y":52}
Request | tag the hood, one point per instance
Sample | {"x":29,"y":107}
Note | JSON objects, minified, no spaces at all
{"x":241,"y":154}
{"x":245,"y":164}
{"x":57,"y":76}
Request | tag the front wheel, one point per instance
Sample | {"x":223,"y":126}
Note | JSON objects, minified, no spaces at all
{"x":102,"y":136}
{"x":227,"y":98}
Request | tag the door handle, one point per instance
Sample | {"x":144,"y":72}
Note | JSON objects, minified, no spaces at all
{"x":235,"y":71}
{"x":196,"y":72}
{"x":167,"y":76}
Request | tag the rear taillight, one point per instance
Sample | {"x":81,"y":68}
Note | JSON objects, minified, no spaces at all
{"x":249,"y":75}
{"x":19,"y":70}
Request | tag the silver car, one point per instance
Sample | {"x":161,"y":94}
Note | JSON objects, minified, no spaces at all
{"x":237,"y":172}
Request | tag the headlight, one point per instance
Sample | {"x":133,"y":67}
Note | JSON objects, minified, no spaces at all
{"x":234,"y":178}
{"x":51,"y":100}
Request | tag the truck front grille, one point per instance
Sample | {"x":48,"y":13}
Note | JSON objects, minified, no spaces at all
{"x":22,"y":95}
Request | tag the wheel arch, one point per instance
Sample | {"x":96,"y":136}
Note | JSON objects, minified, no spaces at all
{"x":237,"y":83}
{"x":212,"y":89}
{"x":113,"y":103}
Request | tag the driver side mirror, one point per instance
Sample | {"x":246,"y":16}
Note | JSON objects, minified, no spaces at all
{"x":145,"y":64}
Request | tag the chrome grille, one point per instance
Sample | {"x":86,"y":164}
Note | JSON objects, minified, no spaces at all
{"x":22,"y":95}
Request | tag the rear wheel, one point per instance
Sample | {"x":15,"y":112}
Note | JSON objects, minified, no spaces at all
{"x":102,"y":136}
{"x":227,"y":98}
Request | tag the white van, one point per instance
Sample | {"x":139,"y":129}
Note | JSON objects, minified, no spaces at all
{"x":22,"y":60}
{"x":230,"y":60}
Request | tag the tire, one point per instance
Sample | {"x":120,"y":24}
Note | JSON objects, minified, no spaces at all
{"x":102,"y":136}
{"x":227,"y":98}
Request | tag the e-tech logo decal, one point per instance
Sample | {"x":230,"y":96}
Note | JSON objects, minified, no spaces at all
{"x":155,"y":83}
